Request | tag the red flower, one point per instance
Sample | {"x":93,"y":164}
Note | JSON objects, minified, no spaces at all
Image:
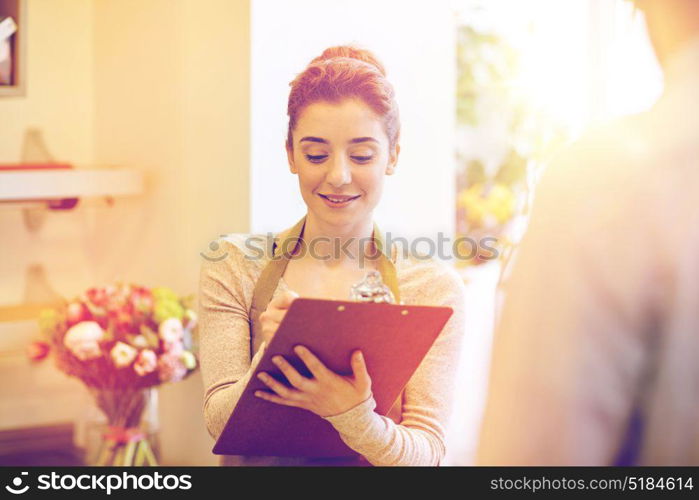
{"x":36,"y":351}
{"x":123,"y":319}
{"x":102,"y":321}
{"x":76,"y":312}
{"x":98,"y":296}
{"x":117,"y":297}
{"x":141,"y":300}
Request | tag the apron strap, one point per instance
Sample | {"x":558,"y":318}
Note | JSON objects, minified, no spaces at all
{"x":385,"y":263}
{"x":268,"y":280}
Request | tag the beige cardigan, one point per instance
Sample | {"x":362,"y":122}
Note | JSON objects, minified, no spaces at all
{"x":227,"y":281}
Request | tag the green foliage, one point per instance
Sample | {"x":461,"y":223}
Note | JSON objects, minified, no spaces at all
{"x":484,"y":61}
{"x":151,"y":336}
{"x":513,"y":170}
{"x":164,"y":293}
{"x":189,"y":301}
{"x":487,"y":69}
{"x":96,"y":311}
{"x":475,"y":172}
{"x":49,"y":319}
{"x":165,"y":309}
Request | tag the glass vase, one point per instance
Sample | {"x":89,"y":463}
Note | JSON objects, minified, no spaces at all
{"x":123,"y":430}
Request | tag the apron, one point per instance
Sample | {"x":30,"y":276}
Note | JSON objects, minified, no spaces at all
{"x":264,"y":290}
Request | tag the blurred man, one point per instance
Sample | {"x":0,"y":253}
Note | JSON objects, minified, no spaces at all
{"x":600,"y":329}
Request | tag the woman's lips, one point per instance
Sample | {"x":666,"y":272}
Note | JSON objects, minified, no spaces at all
{"x":337,"y":200}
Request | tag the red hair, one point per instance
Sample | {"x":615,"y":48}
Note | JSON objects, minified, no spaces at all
{"x":345,"y":72}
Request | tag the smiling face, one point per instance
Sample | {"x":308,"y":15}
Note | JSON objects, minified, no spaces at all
{"x":341,"y":154}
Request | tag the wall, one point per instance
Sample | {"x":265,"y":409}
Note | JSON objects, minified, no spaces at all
{"x":162,"y":86}
{"x":59,"y":101}
{"x":172,"y":94}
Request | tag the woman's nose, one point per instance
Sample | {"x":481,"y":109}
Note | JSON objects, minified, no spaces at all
{"x":339,"y":172}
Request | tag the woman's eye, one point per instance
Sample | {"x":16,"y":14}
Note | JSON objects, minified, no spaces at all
{"x":316,"y":158}
{"x":362,"y":159}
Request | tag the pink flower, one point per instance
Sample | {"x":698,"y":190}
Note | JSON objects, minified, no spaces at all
{"x":171,"y":330}
{"x":171,"y":368}
{"x":83,"y":340}
{"x":146,"y":362}
{"x":175,"y":347}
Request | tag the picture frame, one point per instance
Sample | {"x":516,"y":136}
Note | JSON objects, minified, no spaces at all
{"x":14,"y":48}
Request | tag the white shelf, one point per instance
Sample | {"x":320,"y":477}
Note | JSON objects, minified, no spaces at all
{"x":39,"y":185}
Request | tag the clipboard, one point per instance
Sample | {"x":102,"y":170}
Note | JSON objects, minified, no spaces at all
{"x":393,"y":338}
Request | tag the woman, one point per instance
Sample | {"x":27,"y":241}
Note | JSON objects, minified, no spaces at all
{"x":342,"y":140}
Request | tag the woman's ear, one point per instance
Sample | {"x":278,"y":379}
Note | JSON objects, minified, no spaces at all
{"x":393,"y":160}
{"x":290,"y":159}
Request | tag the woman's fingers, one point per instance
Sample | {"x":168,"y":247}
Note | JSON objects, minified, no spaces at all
{"x":359,"y":371}
{"x":283,"y":300}
{"x":293,"y":376}
{"x":271,"y":317}
{"x":276,"y":399}
{"x":276,"y":386}
{"x":315,"y":365}
{"x":277,"y":307}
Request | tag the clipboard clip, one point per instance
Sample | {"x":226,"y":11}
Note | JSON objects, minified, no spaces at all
{"x":371,"y":289}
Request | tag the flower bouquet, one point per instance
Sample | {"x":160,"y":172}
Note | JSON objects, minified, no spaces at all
{"x":121,"y":340}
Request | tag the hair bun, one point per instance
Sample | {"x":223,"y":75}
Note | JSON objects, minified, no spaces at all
{"x":350,"y":52}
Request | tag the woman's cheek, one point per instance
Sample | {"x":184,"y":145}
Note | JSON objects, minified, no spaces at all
{"x":373,"y":187}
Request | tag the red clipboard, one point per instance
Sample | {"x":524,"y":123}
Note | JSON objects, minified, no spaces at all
{"x":393,"y":338}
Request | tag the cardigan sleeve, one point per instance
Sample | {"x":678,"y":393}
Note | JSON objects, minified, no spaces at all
{"x":224,"y":337}
{"x":419,"y":438}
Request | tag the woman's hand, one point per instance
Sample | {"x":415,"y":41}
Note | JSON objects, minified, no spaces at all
{"x":326,"y":394}
{"x":273,"y":315}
